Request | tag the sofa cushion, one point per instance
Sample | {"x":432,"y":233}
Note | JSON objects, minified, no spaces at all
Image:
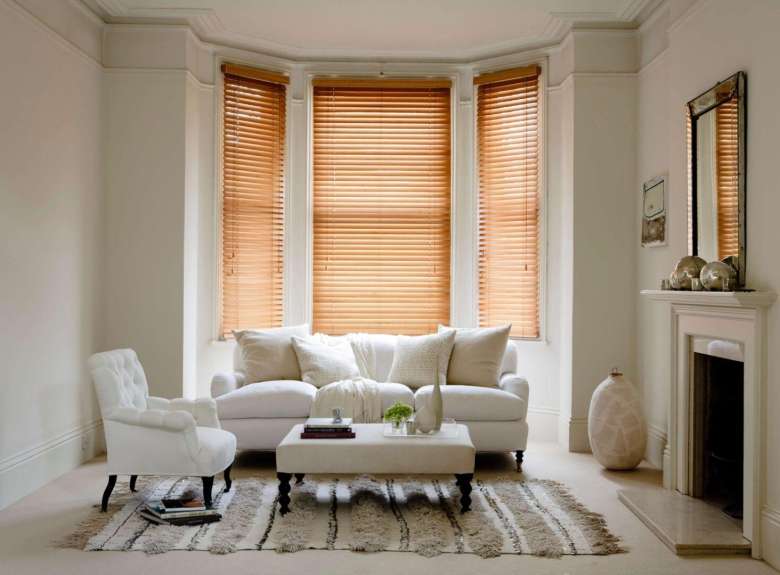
{"x":268,"y":354}
{"x":477,"y":355}
{"x":268,"y":399}
{"x":324,"y":363}
{"x":392,"y":392}
{"x":472,"y":403}
{"x":421,"y":360}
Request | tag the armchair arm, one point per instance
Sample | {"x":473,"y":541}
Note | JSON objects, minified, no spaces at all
{"x":225,"y":382}
{"x":516,"y":385}
{"x":203,"y":409}
{"x":153,"y":418}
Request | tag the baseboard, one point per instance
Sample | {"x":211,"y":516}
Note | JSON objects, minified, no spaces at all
{"x":542,"y":423}
{"x":32,"y":468}
{"x":578,"y":435}
{"x":656,"y":442}
{"x":770,"y":536}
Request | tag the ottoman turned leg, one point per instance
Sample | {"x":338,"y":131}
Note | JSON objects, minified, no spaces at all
{"x":463,"y":480}
{"x":284,"y":492}
{"x":299,"y":478}
{"x":519,"y":458}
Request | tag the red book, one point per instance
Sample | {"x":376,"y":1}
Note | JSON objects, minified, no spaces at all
{"x":327,"y":435}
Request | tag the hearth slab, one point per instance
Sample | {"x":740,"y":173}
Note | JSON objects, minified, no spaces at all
{"x":688,"y":526}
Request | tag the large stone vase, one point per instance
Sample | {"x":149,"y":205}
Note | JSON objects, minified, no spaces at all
{"x":616,"y":427}
{"x":428,"y":418}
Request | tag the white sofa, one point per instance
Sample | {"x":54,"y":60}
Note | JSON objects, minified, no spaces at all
{"x":260,"y":414}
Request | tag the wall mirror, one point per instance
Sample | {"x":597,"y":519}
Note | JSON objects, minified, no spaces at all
{"x":717,"y":173}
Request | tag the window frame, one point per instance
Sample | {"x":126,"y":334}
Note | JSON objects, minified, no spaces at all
{"x":219,"y":198}
{"x":454,"y":90}
{"x":542,"y":223}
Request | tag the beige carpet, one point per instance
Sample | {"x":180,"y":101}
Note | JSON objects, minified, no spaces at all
{"x":368,"y":514}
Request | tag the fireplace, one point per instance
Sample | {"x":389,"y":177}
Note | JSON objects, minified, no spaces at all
{"x":714,"y":450}
{"x":717,"y":421}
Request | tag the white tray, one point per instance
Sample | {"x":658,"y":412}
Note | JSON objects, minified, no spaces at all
{"x":449,"y":429}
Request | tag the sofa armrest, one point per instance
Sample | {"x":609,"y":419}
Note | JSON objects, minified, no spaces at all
{"x":516,"y":385}
{"x":203,"y":409}
{"x":225,"y":382}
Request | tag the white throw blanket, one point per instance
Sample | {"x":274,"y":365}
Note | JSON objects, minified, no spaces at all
{"x":358,"y":398}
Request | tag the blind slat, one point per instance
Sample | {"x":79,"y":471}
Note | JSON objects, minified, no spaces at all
{"x":381,"y":175}
{"x":508,"y":164}
{"x":252,"y":204}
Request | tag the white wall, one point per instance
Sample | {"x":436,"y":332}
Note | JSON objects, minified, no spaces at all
{"x":51,"y":232}
{"x":705,"y":44}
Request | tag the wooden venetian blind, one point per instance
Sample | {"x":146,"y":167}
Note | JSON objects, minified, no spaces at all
{"x":727,"y":177}
{"x":508,"y":143}
{"x":252,"y":198}
{"x":381,"y":205}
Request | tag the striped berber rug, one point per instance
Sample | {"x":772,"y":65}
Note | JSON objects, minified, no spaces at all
{"x":367,"y":514}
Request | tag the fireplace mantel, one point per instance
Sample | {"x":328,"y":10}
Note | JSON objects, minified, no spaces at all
{"x":738,"y":317}
{"x":748,"y":299}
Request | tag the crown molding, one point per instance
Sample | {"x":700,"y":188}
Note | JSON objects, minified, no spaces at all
{"x":209,"y":29}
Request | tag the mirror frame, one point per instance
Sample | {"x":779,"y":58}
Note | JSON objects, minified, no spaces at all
{"x":733,"y":86}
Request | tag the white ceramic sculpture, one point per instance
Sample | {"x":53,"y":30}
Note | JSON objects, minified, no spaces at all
{"x":616,"y":427}
{"x":428,"y":418}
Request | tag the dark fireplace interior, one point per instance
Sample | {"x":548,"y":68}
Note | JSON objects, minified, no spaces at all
{"x":717,"y":434}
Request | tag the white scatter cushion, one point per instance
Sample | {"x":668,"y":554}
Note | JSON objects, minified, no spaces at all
{"x":324,"y":363}
{"x":421,"y":360}
{"x":268,"y":354}
{"x":477,"y":355}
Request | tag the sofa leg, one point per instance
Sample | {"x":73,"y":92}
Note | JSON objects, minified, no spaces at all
{"x":107,"y":492}
{"x":519,"y":459}
{"x":208,"y":482}
{"x":228,"y":481}
{"x":132,"y":482}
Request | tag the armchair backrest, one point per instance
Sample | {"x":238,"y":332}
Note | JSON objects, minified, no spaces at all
{"x":119,"y":380}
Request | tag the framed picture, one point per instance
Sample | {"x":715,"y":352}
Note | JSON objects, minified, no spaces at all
{"x":654,"y":212}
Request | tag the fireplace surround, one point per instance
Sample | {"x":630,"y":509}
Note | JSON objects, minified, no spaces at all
{"x":724,"y":323}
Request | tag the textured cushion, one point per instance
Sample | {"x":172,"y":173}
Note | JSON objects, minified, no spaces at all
{"x":419,"y":360}
{"x":471,"y":403}
{"x":282,"y":398}
{"x":324,"y":363}
{"x":269,"y":354}
{"x":477,"y":355}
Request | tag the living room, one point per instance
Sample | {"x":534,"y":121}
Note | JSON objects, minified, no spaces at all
{"x":379,"y":285}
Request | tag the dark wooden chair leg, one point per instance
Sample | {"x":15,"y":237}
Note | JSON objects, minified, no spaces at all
{"x":132,"y":482}
{"x":464,"y":482}
{"x":107,"y":492}
{"x":299,"y":478}
{"x":284,"y":492}
{"x":208,"y":483}
{"x":228,"y":481}
{"x":519,"y":459}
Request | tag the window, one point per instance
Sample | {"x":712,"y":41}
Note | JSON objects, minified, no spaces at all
{"x":508,"y":164}
{"x":381,"y":179}
{"x":252,"y":198}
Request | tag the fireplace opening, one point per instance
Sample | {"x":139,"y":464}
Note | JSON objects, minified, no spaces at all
{"x":718,"y":428}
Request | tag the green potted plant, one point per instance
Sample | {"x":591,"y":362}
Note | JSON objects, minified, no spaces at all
{"x":398,"y":413}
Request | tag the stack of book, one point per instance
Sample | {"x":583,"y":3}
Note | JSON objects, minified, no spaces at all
{"x":327,"y":428}
{"x":182,"y":511}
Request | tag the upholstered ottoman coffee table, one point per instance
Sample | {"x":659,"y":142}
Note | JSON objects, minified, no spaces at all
{"x":373,"y":452}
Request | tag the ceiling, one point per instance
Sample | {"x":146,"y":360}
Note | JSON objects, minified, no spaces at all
{"x":450,"y":30}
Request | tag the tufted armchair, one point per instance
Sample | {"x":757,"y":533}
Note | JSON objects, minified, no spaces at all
{"x":154,"y":436}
